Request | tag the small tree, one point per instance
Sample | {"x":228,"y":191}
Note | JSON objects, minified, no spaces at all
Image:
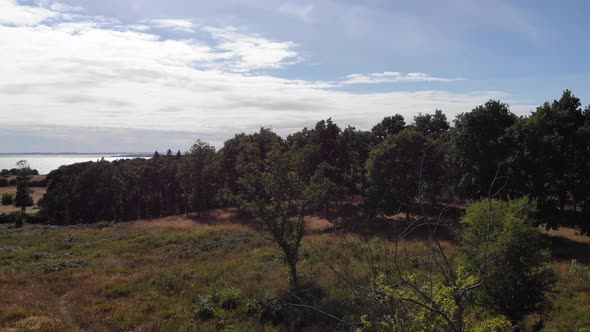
{"x":23,"y":192}
{"x":283,"y":214}
{"x":516,"y":273}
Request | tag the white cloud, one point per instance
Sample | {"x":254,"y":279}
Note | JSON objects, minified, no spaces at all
{"x":174,"y":24}
{"x":251,"y":51}
{"x":62,"y":7}
{"x":12,"y":13}
{"x":88,"y":74}
{"x":393,"y":77}
{"x":297,"y":10}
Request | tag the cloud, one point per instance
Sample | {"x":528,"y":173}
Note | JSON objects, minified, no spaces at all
{"x":297,"y":10}
{"x":90,"y":73}
{"x":393,"y":77}
{"x":12,"y":13}
{"x":247,"y":52}
{"x":173,"y":24}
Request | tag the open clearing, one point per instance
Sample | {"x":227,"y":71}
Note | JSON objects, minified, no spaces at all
{"x":155,"y":275}
{"x":37,"y":194}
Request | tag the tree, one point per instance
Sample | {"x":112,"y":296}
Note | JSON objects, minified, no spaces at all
{"x":282,"y":214}
{"x":516,"y":273}
{"x":479,"y":147}
{"x":389,"y":126}
{"x":551,"y":161}
{"x":199,"y":173}
{"x":324,"y":186}
{"x":393,"y":170}
{"x":432,"y":125}
{"x":23,"y":197}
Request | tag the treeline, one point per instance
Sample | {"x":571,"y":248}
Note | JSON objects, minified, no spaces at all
{"x":6,"y":173}
{"x":489,"y":150}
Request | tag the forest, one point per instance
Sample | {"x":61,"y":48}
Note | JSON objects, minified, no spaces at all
{"x":544,"y":156}
{"x":438,"y":225}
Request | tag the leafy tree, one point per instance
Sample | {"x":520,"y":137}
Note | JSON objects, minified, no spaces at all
{"x":324,"y":186}
{"x":242,"y":162}
{"x":502,"y":246}
{"x":355,"y":146}
{"x":199,"y":171}
{"x":551,"y":157}
{"x":393,"y":172}
{"x":389,"y":126}
{"x":432,"y":125}
{"x":23,"y":197}
{"x":479,"y":147}
{"x":283,"y":212}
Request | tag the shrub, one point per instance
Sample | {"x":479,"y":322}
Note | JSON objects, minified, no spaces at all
{"x":205,"y":307}
{"x":3,"y":182}
{"x":516,"y":263}
{"x":229,"y":299}
{"x":20,"y":220}
{"x":7,"y":199}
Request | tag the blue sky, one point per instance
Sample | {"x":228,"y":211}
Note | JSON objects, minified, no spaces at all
{"x":140,"y":75}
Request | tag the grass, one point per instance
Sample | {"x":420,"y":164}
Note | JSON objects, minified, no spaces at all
{"x":208,"y":274}
{"x":37,"y":194}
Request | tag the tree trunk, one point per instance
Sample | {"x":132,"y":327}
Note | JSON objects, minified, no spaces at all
{"x":293,"y":270}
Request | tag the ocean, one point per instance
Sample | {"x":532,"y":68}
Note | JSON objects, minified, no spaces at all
{"x":46,"y":163}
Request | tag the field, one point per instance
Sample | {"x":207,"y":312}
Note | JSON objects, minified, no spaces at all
{"x":217,"y":272}
{"x":37,"y":194}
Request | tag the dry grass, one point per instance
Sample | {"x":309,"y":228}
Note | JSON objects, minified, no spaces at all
{"x":569,"y":234}
{"x":146,"y":275}
{"x":37,"y":194}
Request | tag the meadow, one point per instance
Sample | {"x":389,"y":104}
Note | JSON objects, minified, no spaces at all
{"x":216,"y":272}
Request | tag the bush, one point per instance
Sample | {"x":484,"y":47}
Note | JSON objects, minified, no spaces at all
{"x":229,"y":299}
{"x":516,"y":265}
{"x":205,"y":307}
{"x":7,"y":199}
{"x":20,"y":220}
{"x":3,"y":182}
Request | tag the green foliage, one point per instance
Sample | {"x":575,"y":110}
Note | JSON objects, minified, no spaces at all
{"x":398,"y":170}
{"x":7,"y":199}
{"x":501,"y":244}
{"x":479,"y":147}
{"x":23,"y":197}
{"x":432,"y":125}
{"x":389,"y":126}
{"x":283,"y":213}
{"x":324,"y":186}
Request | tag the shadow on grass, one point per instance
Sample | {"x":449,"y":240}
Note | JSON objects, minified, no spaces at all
{"x":567,"y":249}
{"x":423,"y":220}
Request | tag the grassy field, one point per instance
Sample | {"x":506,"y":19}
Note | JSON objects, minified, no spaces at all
{"x":198,"y":274}
{"x":37,"y":194}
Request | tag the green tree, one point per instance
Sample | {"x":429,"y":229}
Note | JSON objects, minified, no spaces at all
{"x":479,"y":148}
{"x":432,"y":125}
{"x":200,"y":177}
{"x":324,"y":186}
{"x":394,"y":173}
{"x":23,"y":197}
{"x":389,"y":126}
{"x":282,"y":214}
{"x":503,"y":247}
{"x":551,"y":160}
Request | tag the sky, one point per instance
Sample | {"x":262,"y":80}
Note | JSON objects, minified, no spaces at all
{"x":141,"y":75}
